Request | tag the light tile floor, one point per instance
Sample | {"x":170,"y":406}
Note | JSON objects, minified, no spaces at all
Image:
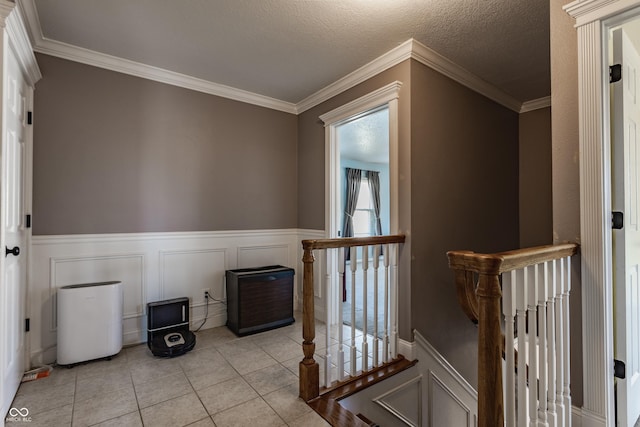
{"x":223,"y":381}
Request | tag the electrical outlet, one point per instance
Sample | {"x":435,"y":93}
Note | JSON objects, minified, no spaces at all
{"x":206,"y":293}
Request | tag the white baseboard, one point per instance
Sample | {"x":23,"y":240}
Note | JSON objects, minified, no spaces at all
{"x":407,"y":349}
{"x":152,"y":267}
{"x":576,"y":417}
{"x":584,"y":418}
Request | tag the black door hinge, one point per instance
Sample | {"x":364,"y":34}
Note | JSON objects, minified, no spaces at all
{"x":27,"y":324}
{"x":619,"y":369}
{"x":615,"y":73}
{"x":617,"y":220}
{"x":29,"y":117}
{"x":28,"y":221}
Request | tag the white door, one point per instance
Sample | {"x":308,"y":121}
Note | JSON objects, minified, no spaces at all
{"x":13,"y":266}
{"x":626,"y":241}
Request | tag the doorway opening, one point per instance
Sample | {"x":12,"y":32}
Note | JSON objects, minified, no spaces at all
{"x":364,"y":175}
{"x":361,"y":176}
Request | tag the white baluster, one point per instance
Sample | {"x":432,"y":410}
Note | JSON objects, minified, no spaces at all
{"x":530,"y":278}
{"x":541,"y":285}
{"x":328,"y":314}
{"x":354,"y":266}
{"x":376,"y":340}
{"x":341,"y":280}
{"x":385,"y":342}
{"x":393,"y":302}
{"x":551,"y":343}
{"x":365,"y":344}
{"x":560,"y":343}
{"x":522,"y":293}
{"x":566,"y":392}
{"x":509,"y":312}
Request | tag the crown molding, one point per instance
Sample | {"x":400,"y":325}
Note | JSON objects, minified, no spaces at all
{"x":443,"y":65}
{"x":410,"y":49}
{"x":586,"y":11}
{"x":85,"y":56}
{"x":96,"y":59}
{"x":535,"y":104}
{"x":375,"y":67}
{"x":426,"y":56}
{"x":19,"y":36}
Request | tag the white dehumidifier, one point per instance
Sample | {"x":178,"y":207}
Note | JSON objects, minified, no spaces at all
{"x":89,"y":321}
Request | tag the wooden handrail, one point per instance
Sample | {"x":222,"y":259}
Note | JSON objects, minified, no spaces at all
{"x":308,"y":368}
{"x":502,"y":262}
{"x":482,"y":304}
{"x":347,"y":242}
{"x":466,"y":263}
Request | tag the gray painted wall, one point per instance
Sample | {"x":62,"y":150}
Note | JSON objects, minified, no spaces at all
{"x":116,"y":153}
{"x":536,"y":210}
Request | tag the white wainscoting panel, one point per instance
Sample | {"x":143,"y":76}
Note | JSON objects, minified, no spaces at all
{"x":450,"y":400}
{"x":404,"y":401}
{"x":151,"y":267}
{"x":263,"y":255}
{"x":190,"y":273}
{"x":126,"y":268}
{"x":445,"y":408}
{"x":187,"y":273}
{"x":396,"y":401}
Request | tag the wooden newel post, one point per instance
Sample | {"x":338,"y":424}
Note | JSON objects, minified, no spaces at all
{"x":490,"y":402}
{"x":309,"y":368}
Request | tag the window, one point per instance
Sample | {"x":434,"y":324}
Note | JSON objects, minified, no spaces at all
{"x":364,"y":216}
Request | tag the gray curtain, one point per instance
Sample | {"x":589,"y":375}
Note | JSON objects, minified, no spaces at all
{"x":374,"y":186}
{"x":354,"y":176}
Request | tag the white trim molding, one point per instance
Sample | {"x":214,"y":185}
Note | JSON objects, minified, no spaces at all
{"x":535,"y":104}
{"x":367,"y":102}
{"x":19,"y":36}
{"x":587,"y":11}
{"x":410,"y":49}
{"x":595,"y":207}
{"x":12,"y":21}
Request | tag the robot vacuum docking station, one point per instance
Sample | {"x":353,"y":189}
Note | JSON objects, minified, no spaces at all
{"x":168,"y":333}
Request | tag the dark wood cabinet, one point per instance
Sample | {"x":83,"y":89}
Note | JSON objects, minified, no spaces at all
{"x":259,"y":299}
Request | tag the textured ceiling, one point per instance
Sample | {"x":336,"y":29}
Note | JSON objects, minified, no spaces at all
{"x":290,"y":49}
{"x":366,"y":138}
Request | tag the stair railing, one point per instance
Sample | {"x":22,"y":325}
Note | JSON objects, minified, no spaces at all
{"x":347,"y":351}
{"x":528,"y":290}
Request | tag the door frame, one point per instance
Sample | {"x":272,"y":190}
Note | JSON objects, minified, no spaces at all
{"x":385,"y":96}
{"x":593,"y":18}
